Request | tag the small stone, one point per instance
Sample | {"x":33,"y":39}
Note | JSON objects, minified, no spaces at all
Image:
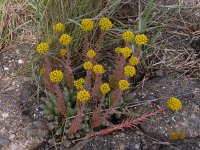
{"x":138,"y":132}
{"x":5,"y":115}
{"x":39,"y":124}
{"x":144,"y":147}
{"x":5,"y":68}
{"x":66,"y":144}
{"x":137,"y":146}
{"x":121,"y":145}
{"x":122,"y":135}
{"x":12,"y":136}
{"x":20,"y":61}
{"x":159,"y":73}
{"x":198,"y":144}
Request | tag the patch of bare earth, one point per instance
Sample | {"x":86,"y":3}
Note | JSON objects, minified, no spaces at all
{"x":18,"y":105}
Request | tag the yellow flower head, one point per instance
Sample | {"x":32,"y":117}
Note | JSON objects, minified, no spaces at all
{"x":141,"y":39}
{"x":83,"y":96}
{"x":42,"y":48}
{"x":98,"y":69}
{"x":105,"y":24}
{"x":59,"y":27}
{"x":123,"y":84}
{"x":65,"y":39}
{"x":87,"y":25}
{"x":126,"y":52}
{"x":118,"y":50}
{"x":87,"y":65}
{"x":79,"y":83}
{"x":63,"y":52}
{"x":56,"y":76}
{"x":176,"y":135}
{"x":42,"y":70}
{"x":174,"y":104}
{"x":91,"y":53}
{"x":128,"y":36}
{"x":105,"y":88}
{"x":133,"y":60}
{"x":129,"y":71}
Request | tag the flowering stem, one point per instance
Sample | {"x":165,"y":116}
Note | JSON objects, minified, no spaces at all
{"x":69,"y":75}
{"x":117,"y":96}
{"x":99,"y":43}
{"x":95,"y":89}
{"x":47,"y":64}
{"x":76,"y":123}
{"x":85,"y":44}
{"x":119,"y":68}
{"x":95,"y":121}
{"x":137,"y":52}
{"x":59,"y":100}
{"x":88,"y":80}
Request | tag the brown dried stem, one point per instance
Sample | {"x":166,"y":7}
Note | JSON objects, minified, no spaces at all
{"x":130,"y":122}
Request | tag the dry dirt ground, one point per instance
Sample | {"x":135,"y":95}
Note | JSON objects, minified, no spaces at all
{"x":18,"y":105}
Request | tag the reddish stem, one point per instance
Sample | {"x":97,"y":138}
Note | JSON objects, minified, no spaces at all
{"x":60,"y":101}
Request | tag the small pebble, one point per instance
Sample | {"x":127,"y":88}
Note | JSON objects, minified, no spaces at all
{"x":198,"y":144}
{"x":12,"y":136}
{"x":5,"y":115}
{"x":159,"y":73}
{"x":137,"y":146}
{"x":20,"y":61}
{"x":5,"y":68}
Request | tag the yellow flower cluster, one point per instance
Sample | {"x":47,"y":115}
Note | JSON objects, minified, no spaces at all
{"x":42,"y":70}
{"x":123,"y":84}
{"x":105,"y":24}
{"x":141,"y":39}
{"x":129,"y":71}
{"x":56,"y":76}
{"x":59,"y":27}
{"x":63,"y":52}
{"x":174,"y":104}
{"x":118,"y":50}
{"x":42,"y":48}
{"x":105,"y":88}
{"x":87,"y":25}
{"x":79,"y":83}
{"x":128,"y":36}
{"x":83,"y":96}
{"x":126,"y":52}
{"x":133,"y":60}
{"x":98,"y":69}
{"x":65,"y":39}
{"x":91,"y":54}
{"x":87,"y":65}
{"x":176,"y":135}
